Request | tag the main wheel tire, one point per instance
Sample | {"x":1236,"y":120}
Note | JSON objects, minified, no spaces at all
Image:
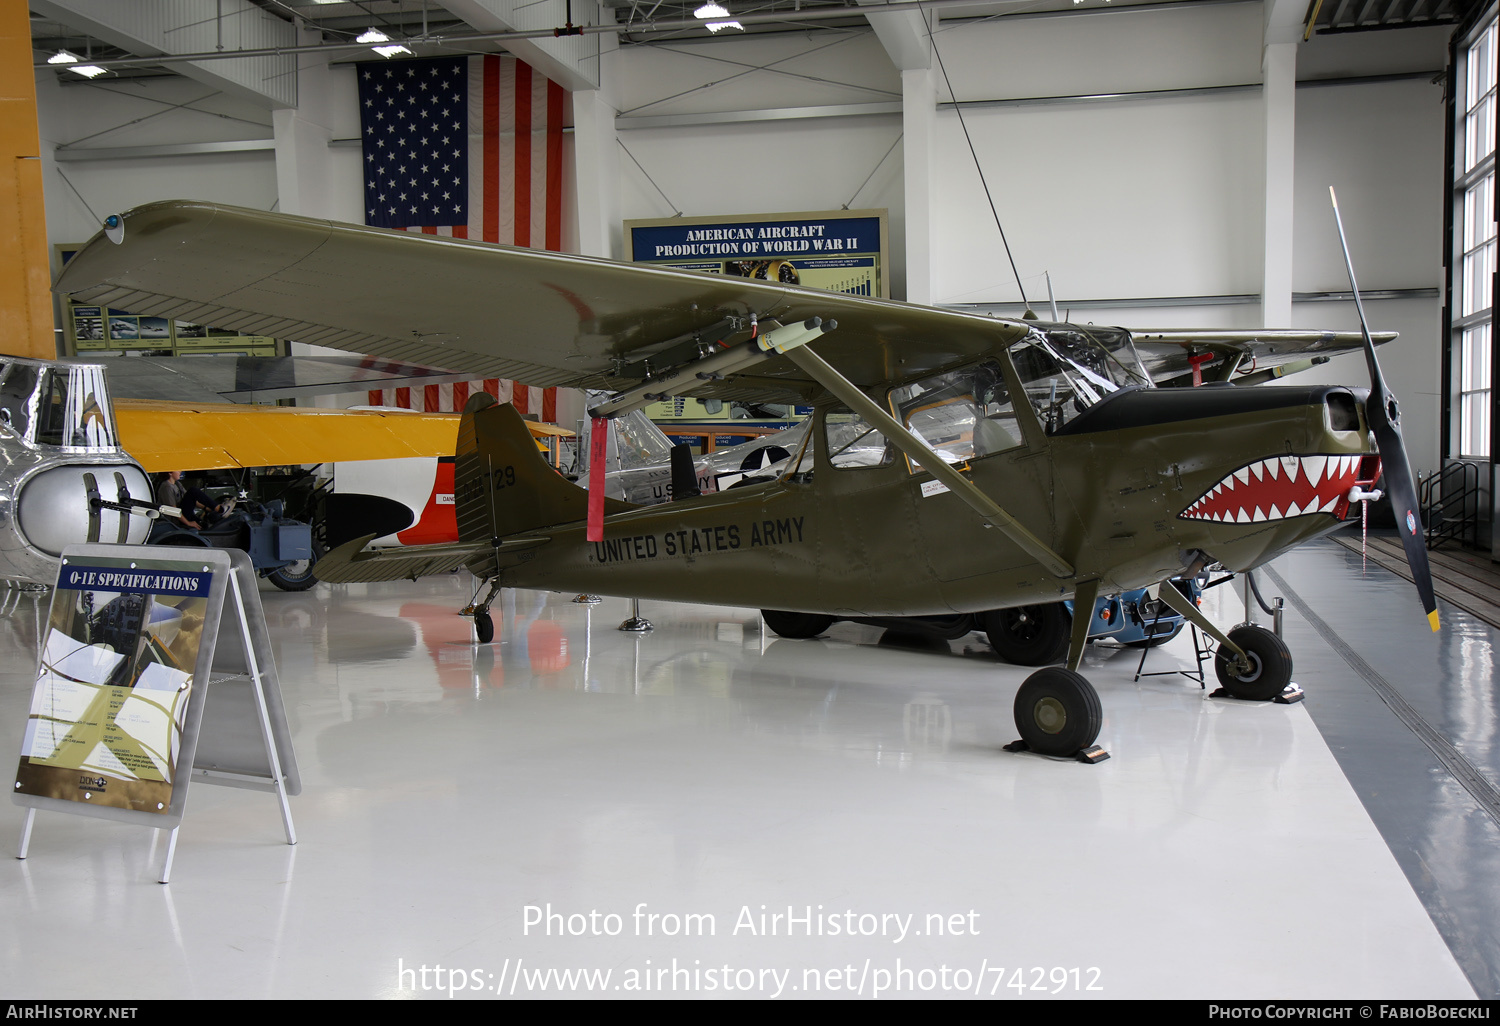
{"x":796,"y":625}
{"x":484,"y":628}
{"x":296,"y":576}
{"x":1030,"y":635}
{"x":1057,"y":711}
{"x":1270,"y":661}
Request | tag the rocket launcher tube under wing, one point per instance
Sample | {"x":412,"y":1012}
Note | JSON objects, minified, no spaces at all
{"x":730,"y":361}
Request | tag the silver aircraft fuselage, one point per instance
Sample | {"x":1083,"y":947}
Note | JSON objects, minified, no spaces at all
{"x":59,"y":452}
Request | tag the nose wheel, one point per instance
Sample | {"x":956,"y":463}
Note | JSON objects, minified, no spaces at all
{"x":1265,"y":671}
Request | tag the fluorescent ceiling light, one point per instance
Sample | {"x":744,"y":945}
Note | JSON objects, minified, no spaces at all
{"x":71,"y":60}
{"x":374,"y":35}
{"x":713,"y":9}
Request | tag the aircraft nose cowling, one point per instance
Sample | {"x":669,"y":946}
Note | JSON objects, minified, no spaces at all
{"x":1144,"y":407}
{"x":52,"y":510}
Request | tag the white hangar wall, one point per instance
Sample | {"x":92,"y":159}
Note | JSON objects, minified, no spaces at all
{"x":758,"y":166}
{"x":1140,"y":199}
{"x":145,"y":114}
{"x":1134,"y":198}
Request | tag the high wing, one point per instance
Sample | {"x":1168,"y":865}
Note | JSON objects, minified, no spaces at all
{"x":554,"y":318}
{"x":1255,"y":353}
{"x":497,"y":311}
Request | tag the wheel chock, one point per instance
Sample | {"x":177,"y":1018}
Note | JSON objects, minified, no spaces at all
{"x":1290,"y":695}
{"x":1091,"y":754}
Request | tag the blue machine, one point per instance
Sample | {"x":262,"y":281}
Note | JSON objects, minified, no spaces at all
{"x":282,"y":550}
{"x":1135,"y":618}
{"x":1026,"y":635}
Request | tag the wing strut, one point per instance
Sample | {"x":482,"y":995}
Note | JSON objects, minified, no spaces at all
{"x":928,"y":460}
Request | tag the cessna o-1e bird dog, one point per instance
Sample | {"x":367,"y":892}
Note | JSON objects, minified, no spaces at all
{"x":956,"y":463}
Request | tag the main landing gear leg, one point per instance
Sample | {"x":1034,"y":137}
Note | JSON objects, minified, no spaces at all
{"x":1057,"y":710}
{"x":1252,"y":663}
{"x":484,"y":625}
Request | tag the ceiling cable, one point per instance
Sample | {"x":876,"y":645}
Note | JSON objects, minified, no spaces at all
{"x":982,"y":181}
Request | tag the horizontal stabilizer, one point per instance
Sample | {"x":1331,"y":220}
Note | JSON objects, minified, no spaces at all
{"x":348,"y":564}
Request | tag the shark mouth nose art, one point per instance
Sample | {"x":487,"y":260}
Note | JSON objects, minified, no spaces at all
{"x":1280,"y":488}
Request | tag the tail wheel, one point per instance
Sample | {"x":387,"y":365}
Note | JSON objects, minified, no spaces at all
{"x":796,"y":625}
{"x":1270,"y":664}
{"x":484,"y":628}
{"x":1057,"y":712}
{"x":1030,"y":635}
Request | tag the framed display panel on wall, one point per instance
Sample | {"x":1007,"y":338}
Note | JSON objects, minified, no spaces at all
{"x":841,"y":250}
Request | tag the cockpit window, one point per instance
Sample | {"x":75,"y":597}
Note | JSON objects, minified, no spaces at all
{"x":63,"y":405}
{"x":961,"y":414}
{"x":88,"y":419}
{"x":19,"y":398}
{"x":52,"y":411}
{"x":1068,"y":368}
{"x":853,"y":441}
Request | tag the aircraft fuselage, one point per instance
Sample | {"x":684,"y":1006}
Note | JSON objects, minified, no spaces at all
{"x":1130,"y":494}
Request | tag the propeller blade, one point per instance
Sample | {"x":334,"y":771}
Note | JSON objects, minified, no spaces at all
{"x":1383,"y":415}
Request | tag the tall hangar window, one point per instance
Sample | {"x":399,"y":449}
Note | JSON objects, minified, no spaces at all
{"x":1472,"y":274}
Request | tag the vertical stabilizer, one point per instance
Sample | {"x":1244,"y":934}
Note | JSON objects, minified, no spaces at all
{"x":502,"y":484}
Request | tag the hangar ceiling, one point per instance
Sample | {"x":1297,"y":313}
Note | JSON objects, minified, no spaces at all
{"x":249,"y":47}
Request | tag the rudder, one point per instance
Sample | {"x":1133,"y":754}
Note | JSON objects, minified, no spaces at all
{"x":502,"y":485}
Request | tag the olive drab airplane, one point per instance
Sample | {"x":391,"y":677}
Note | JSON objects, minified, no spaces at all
{"x":956,"y":463}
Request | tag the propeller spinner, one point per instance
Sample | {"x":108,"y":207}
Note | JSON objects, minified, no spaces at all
{"x":1383,"y":414}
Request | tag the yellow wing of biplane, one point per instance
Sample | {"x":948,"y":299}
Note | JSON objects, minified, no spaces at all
{"x":540,"y":317}
{"x":214,"y":436}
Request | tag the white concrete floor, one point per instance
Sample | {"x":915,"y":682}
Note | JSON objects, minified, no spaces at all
{"x":705,"y":774}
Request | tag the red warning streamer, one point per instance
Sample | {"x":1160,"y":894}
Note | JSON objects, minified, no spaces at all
{"x":598,"y":443}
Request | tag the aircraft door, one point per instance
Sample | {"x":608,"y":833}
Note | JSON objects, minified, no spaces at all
{"x":969,"y":418}
{"x":868,"y":517}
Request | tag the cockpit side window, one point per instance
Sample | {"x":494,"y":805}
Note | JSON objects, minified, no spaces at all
{"x":853,"y":441}
{"x":57,"y":405}
{"x":19,"y":399}
{"x":52,"y":410}
{"x":88,"y":419}
{"x":962,"y":414}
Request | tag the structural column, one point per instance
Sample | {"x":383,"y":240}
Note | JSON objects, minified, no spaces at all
{"x":919,"y":127}
{"x":596,"y":166}
{"x":1279,"y":103}
{"x":304,"y":182}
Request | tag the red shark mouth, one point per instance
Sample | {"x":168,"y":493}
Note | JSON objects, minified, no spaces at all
{"x":1280,"y":488}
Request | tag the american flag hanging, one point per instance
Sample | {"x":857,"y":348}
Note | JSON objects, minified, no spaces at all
{"x":471,"y":148}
